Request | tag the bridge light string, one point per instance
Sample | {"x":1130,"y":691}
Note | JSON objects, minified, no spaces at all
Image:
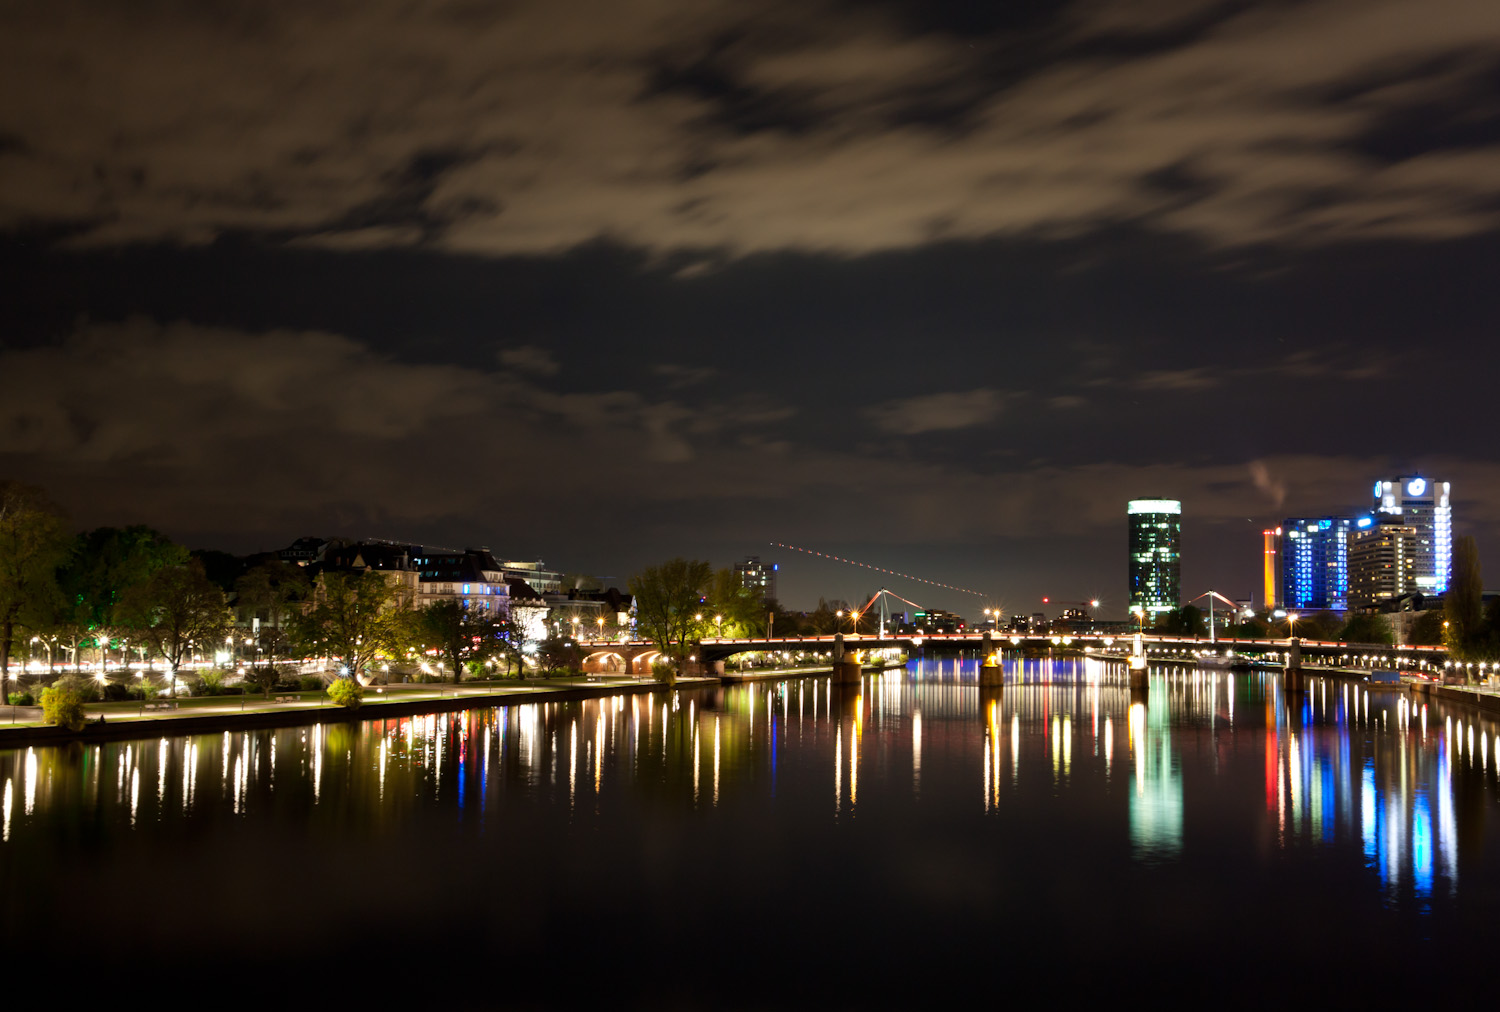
{"x":876,"y":569}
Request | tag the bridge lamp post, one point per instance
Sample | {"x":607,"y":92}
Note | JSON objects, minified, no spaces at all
{"x":719,"y":625}
{"x":600,"y":620}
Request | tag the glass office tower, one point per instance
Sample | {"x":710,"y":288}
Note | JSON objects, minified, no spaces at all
{"x":1315,"y":563}
{"x":1155,"y":555}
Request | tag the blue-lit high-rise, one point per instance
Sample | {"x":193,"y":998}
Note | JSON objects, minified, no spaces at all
{"x":1315,"y":563}
{"x":1423,"y":504}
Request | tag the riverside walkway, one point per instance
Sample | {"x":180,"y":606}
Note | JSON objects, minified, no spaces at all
{"x":23,"y":725}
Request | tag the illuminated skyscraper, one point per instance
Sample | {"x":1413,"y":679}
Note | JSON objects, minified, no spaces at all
{"x":1155,"y":558}
{"x":1315,"y":563}
{"x":1382,"y":559}
{"x":1272,"y":566}
{"x":1422,"y":504}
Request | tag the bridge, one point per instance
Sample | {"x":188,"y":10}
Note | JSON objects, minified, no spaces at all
{"x":636,"y":656}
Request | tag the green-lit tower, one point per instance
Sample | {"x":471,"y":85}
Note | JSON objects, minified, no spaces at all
{"x":1155,"y":557}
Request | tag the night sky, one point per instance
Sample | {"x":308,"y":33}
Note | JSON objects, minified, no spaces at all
{"x":935,"y":285}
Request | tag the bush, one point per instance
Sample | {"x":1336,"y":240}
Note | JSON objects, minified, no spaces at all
{"x":22,"y":699}
{"x":144,"y":691}
{"x":346,"y":692}
{"x":310,"y":683}
{"x":117,"y":692}
{"x":86,"y":689}
{"x":210,"y":683}
{"x":664,"y":671}
{"x":63,"y":706}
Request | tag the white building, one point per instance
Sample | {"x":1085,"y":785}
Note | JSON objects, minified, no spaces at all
{"x":1423,"y":504}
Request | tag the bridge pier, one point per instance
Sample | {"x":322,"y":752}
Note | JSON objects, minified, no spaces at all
{"x":991,"y":673}
{"x":1138,"y":678}
{"x":846,"y":667}
{"x":1291,"y":672}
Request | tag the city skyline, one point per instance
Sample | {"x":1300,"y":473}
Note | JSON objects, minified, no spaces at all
{"x":924,"y":284}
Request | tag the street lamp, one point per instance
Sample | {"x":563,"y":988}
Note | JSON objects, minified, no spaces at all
{"x":600,"y":620}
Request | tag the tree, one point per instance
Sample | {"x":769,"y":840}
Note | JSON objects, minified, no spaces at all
{"x":463,"y":634}
{"x":1252,"y":627}
{"x":742,"y":608}
{"x":1427,"y":629}
{"x":106,"y":564}
{"x":33,"y":543}
{"x":667,"y":599}
{"x":354,"y":618}
{"x":825,"y":620}
{"x":62,"y":705}
{"x":269,"y":592}
{"x":1185,"y":621}
{"x":1363,"y":627}
{"x":263,"y":677}
{"x":524,"y":626}
{"x":178,"y":608}
{"x":1464,"y":601}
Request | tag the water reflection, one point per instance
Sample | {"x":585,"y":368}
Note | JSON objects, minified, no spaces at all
{"x":1376,"y":776}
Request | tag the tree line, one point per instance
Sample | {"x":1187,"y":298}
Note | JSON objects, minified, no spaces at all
{"x":684,"y":600}
{"x":134,"y":591}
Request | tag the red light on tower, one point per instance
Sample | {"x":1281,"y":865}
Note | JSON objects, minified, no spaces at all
{"x":1046,"y":599}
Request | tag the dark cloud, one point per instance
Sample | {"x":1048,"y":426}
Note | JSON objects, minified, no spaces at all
{"x":943,"y":282}
{"x":535,"y":127}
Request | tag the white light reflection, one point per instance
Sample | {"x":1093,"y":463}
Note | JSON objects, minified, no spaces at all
{"x":5,"y":834}
{"x":838,"y":767}
{"x":1015,"y":745}
{"x":916,"y":749}
{"x":30,"y":783}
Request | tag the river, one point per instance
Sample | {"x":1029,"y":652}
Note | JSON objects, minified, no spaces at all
{"x":911,"y":840}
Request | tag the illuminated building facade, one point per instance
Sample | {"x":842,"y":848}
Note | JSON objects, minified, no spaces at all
{"x":757,"y":577}
{"x":1155,"y":554}
{"x":1382,"y":559}
{"x":1272,"y":566}
{"x":1315,"y":563}
{"x":1423,"y":504}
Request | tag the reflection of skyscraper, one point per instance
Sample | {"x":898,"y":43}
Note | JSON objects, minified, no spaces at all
{"x":1156,"y":802}
{"x":1423,"y":504}
{"x":1155,"y":558}
{"x":1315,"y":563}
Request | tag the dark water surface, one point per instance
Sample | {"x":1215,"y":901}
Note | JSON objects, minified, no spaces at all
{"x":912,"y":841}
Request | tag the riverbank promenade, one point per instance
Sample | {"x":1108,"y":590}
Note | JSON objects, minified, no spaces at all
{"x":21,"y":725}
